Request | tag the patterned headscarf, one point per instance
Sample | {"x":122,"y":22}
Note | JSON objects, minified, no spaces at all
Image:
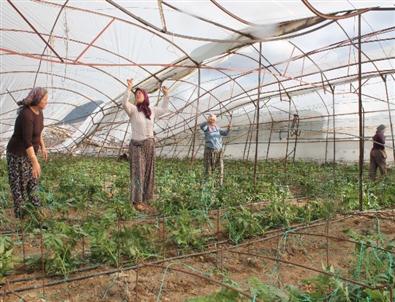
{"x":33,"y":98}
{"x":144,"y":106}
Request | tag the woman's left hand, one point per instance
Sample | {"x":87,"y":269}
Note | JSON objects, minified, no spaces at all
{"x":44,"y":153}
{"x":165,"y":90}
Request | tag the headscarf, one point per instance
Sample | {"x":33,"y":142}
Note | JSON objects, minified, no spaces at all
{"x":33,"y":98}
{"x":381,"y":128}
{"x":144,"y":106}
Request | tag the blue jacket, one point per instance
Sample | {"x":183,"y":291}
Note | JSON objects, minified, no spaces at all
{"x":213,"y":136}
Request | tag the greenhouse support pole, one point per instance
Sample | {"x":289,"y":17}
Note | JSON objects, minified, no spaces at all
{"x":250,"y":134}
{"x":288,"y":137}
{"x":334,"y":124}
{"x":246,"y":143}
{"x":257,"y":113}
{"x":270,"y":140}
{"x":123,"y":140}
{"x":36,"y":31}
{"x":390,"y":117}
{"x":361,"y":138}
{"x":196,"y":118}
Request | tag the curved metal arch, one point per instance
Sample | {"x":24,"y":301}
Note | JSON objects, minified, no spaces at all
{"x":266,"y":68}
{"x":233,"y":79}
{"x":121,"y":20}
{"x":56,"y":123}
{"x":11,"y":52}
{"x":191,"y":103}
{"x":249,"y":73}
{"x":329,"y":17}
{"x":59,"y":76}
{"x":229,"y":13}
{"x":323,"y":75}
{"x":191,"y":118}
{"x":150,"y":25}
{"x":319,"y":68}
{"x":242,"y":88}
{"x":347,"y":13}
{"x":340,"y":44}
{"x":83,"y":43}
{"x":280,"y":82}
{"x":207,"y":20}
{"x":345,"y":77}
{"x":54,"y":88}
{"x":353,"y":44}
{"x":226,"y":82}
{"x":247,"y":94}
{"x":273,"y":83}
{"x":157,"y":29}
{"x":46,"y":45}
{"x":154,"y":29}
{"x":210,"y":92}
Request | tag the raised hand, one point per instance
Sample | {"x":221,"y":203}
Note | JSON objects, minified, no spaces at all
{"x":165,"y":90}
{"x":130,"y":83}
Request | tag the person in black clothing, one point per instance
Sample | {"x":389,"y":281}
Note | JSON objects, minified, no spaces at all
{"x":23,"y":167}
{"x":377,"y":154}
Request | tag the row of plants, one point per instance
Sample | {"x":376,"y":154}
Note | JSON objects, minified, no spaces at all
{"x":87,"y":217}
{"x":373,"y":264}
{"x":76,"y":183}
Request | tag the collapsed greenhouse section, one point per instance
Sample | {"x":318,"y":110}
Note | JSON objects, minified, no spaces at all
{"x":304,"y":84}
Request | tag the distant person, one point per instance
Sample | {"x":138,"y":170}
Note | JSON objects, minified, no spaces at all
{"x":213,"y":150}
{"x":142,"y":144}
{"x":23,"y":167}
{"x":377,"y":154}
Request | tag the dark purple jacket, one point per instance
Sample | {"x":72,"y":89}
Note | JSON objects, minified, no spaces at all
{"x":27,"y":132}
{"x":378,"y":141}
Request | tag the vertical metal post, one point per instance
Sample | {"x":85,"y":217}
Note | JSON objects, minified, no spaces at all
{"x":196,"y":118}
{"x":390,"y":117}
{"x":334,"y":133}
{"x":270,"y":140}
{"x":246,"y":143}
{"x":296,"y":139}
{"x":361,"y":138}
{"x":334,"y":124}
{"x":257,"y":113}
{"x":249,"y":137}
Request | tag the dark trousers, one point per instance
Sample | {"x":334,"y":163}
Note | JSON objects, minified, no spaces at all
{"x":214,"y":160}
{"x":377,"y":161}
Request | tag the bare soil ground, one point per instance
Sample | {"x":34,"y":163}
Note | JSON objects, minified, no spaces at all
{"x":150,"y":282}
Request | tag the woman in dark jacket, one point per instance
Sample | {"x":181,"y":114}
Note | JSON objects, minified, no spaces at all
{"x":377,"y":154}
{"x":23,"y":167}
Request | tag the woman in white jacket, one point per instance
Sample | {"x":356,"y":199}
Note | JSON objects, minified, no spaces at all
{"x":142,"y":144}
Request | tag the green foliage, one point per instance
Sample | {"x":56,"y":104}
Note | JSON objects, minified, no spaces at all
{"x":242,"y":223}
{"x":59,"y":259}
{"x":265,"y":292}
{"x":375,"y":259}
{"x":6,"y":257}
{"x":103,"y":245}
{"x":224,"y":295}
{"x":135,"y":243}
{"x":88,"y":198}
{"x":185,"y":231}
{"x":373,"y":266}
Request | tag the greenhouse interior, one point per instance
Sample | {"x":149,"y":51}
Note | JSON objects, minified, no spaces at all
{"x":200,"y":150}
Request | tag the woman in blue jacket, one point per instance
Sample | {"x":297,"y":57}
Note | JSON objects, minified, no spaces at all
{"x":213,"y":151}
